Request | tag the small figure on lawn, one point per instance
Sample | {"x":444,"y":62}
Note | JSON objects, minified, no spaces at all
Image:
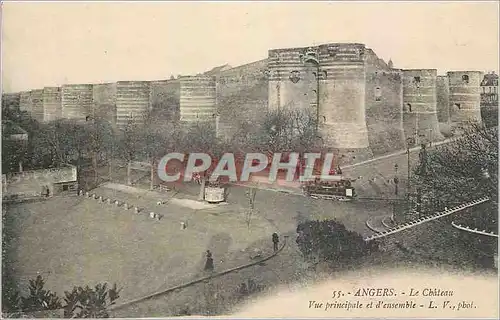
{"x":276,"y":241}
{"x":209,"y":265}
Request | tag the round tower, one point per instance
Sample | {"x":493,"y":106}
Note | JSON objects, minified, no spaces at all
{"x":198,"y":99}
{"x":76,"y":101}
{"x":293,"y":78}
{"x":328,"y":80}
{"x":132,"y":101}
{"x":420,"y":118}
{"x":465,"y":96}
{"x":342,"y":87}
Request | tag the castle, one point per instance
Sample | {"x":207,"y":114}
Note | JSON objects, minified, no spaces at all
{"x":364,"y":105}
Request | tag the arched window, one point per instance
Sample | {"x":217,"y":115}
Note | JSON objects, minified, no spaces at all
{"x":465,"y":78}
{"x":457,"y":105}
{"x":325,"y":74}
{"x":408,"y":107}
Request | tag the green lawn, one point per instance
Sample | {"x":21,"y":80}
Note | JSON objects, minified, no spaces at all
{"x":78,"y":241}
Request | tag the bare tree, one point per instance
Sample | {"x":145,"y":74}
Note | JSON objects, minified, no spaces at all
{"x":201,"y":137}
{"x":288,"y":129}
{"x":250,"y":195}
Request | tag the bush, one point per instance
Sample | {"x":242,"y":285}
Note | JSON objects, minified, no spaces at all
{"x":40,"y":298}
{"x":81,"y":302}
{"x":330,"y":241}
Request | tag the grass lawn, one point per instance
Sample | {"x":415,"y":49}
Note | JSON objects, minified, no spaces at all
{"x":78,"y":241}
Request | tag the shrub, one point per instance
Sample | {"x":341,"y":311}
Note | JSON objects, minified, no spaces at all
{"x":330,"y":241}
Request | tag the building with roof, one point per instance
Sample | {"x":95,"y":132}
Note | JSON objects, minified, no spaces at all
{"x":489,"y":99}
{"x":489,"y":90}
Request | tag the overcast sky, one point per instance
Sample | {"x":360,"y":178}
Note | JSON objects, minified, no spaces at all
{"x":47,"y":44}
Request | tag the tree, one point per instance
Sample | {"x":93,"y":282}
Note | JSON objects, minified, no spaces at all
{"x":81,"y":302}
{"x":250,"y":194}
{"x":201,"y":137}
{"x":40,"y":298}
{"x":13,"y":151}
{"x":459,"y":172}
{"x":101,"y":140}
{"x":330,"y":241}
{"x":148,"y":139}
{"x":288,"y":129}
{"x":90,"y":302}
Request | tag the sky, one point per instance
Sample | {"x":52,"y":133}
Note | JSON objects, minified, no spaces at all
{"x":53,"y":43}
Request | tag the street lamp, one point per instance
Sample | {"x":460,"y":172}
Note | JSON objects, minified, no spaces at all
{"x":409,"y":141}
{"x":396,"y":180}
{"x":93,"y":143}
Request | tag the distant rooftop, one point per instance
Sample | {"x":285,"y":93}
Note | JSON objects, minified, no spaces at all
{"x":490,"y":79}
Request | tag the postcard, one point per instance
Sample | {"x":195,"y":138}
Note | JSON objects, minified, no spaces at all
{"x":250,"y":159}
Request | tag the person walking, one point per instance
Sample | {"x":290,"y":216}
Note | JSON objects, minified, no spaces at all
{"x":209,"y":264}
{"x":276,"y":241}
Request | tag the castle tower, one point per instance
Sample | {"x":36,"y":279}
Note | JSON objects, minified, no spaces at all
{"x":342,"y":96}
{"x":293,"y":78}
{"x":37,"y":104}
{"x":420,"y":119}
{"x":76,"y":101}
{"x":52,"y":106}
{"x":197,"y":99}
{"x":329,"y":80}
{"x":465,"y":96}
{"x":132,"y":101}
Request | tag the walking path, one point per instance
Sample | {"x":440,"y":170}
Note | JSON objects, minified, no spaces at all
{"x":398,"y":153}
{"x":168,"y":196}
{"x":376,"y":224}
{"x":188,"y":284}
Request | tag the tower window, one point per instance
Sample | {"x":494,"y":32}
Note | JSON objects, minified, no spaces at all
{"x":457,"y":105}
{"x":465,"y":78}
{"x":416,"y":80}
{"x":325,"y":74}
{"x":408,"y":107}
